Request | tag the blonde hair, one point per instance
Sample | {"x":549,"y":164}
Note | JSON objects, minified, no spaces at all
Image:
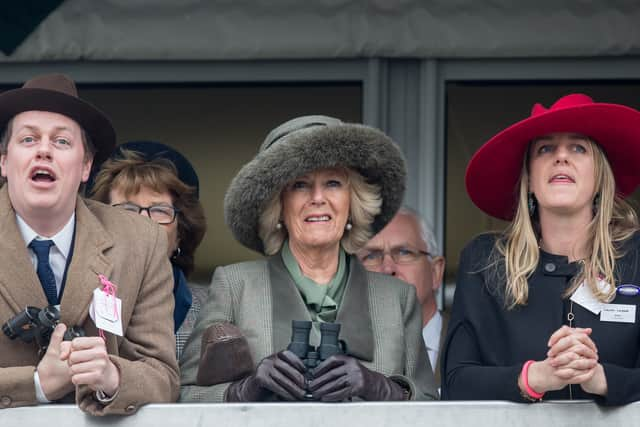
{"x":613,"y":222}
{"x":365,"y":204}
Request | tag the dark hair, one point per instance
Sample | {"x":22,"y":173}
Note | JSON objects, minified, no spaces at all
{"x":131,"y":171}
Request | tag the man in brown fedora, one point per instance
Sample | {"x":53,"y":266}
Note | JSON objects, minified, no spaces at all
{"x":100,"y":268}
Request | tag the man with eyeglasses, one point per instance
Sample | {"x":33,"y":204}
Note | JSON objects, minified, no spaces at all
{"x":406,"y":248}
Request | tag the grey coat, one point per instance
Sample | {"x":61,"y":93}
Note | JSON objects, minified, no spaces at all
{"x":380,"y":318}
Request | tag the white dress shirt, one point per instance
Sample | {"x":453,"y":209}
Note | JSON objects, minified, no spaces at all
{"x":431,"y":335}
{"x":58,"y":255}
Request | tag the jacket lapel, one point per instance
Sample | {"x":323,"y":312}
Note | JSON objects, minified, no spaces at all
{"x":443,"y":337}
{"x":286,"y":301}
{"x":354,"y":316}
{"x":19,"y":283}
{"x":88,"y":261}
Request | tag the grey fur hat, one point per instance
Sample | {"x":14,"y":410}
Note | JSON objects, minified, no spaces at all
{"x":305,"y":144}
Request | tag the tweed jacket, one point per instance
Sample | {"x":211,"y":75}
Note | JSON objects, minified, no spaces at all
{"x":129,"y":250}
{"x":380,"y":318}
{"x":199,"y":295}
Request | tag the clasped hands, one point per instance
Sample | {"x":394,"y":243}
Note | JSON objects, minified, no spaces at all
{"x":572,"y":359}
{"x":336,"y":379}
{"x":67,"y":364}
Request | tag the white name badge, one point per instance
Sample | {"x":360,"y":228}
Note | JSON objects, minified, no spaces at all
{"x":584,"y":297}
{"x":623,"y":313}
{"x":106,"y":310}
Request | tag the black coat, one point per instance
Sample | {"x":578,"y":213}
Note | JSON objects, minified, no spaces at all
{"x":487,"y":344}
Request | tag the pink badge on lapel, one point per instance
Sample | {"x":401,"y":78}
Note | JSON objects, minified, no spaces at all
{"x":106,"y":308}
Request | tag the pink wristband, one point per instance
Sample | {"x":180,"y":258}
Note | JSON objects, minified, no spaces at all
{"x":525,"y":381}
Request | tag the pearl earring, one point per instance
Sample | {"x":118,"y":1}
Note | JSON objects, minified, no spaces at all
{"x":348,"y":227}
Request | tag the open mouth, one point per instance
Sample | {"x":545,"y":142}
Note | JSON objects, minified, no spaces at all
{"x":317,"y":218}
{"x":562,"y":179}
{"x":42,"y":175}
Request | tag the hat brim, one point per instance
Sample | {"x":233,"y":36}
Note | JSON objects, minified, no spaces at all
{"x":361,"y":148}
{"x":151,"y":150}
{"x":94,"y":122}
{"x":494,"y":171}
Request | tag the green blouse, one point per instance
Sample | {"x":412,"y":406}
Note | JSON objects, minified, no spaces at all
{"x":322,"y":301}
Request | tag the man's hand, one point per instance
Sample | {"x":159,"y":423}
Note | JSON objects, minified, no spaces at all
{"x":89,"y":364}
{"x":54,"y":374}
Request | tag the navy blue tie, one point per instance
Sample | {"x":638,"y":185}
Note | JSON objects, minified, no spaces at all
{"x":44,"y":271}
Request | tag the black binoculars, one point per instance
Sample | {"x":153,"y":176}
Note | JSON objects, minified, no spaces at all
{"x":38,"y":324}
{"x":311,"y":356}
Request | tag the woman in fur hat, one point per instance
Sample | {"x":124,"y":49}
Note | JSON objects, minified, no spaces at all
{"x":549,"y":306}
{"x":316,"y":192}
{"x":153,"y":179}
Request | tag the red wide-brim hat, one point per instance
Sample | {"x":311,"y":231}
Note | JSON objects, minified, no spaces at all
{"x":493,"y":173}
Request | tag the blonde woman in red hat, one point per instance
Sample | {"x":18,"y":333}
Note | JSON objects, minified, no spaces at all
{"x":548,"y":308}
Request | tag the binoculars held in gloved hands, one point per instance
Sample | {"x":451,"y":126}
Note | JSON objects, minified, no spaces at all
{"x":312,"y":356}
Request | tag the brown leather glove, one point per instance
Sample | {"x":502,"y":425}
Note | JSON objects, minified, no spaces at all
{"x":342,"y":377}
{"x":225,"y":355}
{"x":281,"y":374}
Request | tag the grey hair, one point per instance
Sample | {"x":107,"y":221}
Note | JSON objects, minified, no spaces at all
{"x":426,"y":231}
{"x":366,"y":203}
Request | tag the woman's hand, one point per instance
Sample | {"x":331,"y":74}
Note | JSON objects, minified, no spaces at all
{"x":573,"y":354}
{"x":542,"y":378}
{"x":281,"y":374}
{"x":572,"y":359}
{"x":597,"y":384}
{"x":342,"y":377}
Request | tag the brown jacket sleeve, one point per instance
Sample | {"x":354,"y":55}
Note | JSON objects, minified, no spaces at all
{"x":17,"y":387}
{"x":145,"y":355}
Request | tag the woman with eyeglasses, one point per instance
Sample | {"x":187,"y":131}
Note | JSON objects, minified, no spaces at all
{"x":548,"y":308}
{"x":153,"y":179}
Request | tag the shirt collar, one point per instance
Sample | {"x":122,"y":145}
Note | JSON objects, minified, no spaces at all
{"x":62,"y":239}
{"x":320,"y":297}
{"x":431,"y":331}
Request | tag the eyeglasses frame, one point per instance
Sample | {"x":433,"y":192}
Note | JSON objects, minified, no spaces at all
{"x":176,"y":211}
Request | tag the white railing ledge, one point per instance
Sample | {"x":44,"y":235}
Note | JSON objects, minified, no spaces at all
{"x":418,"y":414}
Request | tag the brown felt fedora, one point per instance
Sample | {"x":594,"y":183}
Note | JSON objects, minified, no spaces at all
{"x":57,"y":93}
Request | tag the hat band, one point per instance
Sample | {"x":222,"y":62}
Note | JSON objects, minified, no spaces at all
{"x":279,"y":137}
